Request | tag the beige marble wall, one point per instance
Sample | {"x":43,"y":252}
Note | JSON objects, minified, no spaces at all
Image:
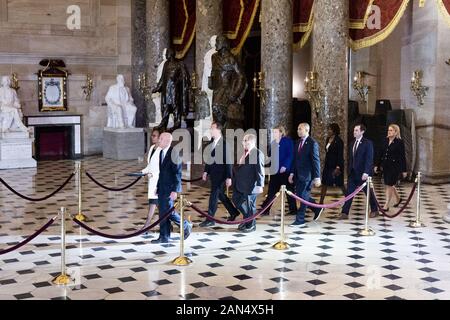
{"x":33,"y":30}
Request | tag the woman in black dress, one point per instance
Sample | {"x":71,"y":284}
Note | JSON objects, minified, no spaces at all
{"x":333,"y":170}
{"x":392,"y":162}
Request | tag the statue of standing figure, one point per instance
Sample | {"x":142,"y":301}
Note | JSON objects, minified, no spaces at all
{"x":10,"y":110}
{"x":207,"y":68}
{"x":174,"y":87}
{"x":228,"y":83}
{"x":156,"y":97}
{"x":121,"y":108}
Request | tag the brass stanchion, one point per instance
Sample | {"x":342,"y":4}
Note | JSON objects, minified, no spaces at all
{"x":367,"y":231}
{"x":63,"y":278}
{"x":282,"y":244}
{"x":79,"y":216}
{"x":182,"y":260}
{"x":417,"y":223}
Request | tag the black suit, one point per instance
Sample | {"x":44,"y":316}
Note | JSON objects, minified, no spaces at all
{"x":392,"y":160}
{"x":334,"y":158}
{"x":219,"y":167}
{"x":247,"y":177}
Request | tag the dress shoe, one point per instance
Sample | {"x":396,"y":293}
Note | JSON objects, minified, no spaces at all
{"x":160,"y":240}
{"x":343,"y":216}
{"x":297,"y":223}
{"x":207,"y":223}
{"x":317,"y":214}
{"x":374,"y":214}
{"x":187,"y":231}
{"x":251,"y":229}
{"x":232,"y":217}
{"x":398,"y":203}
{"x":241,"y":226}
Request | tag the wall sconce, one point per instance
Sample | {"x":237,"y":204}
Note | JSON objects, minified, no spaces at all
{"x":88,"y":87}
{"x":144,"y":88}
{"x":194,"y":81}
{"x":259,"y":88}
{"x":14,"y":82}
{"x":359,"y":84}
{"x":313,"y":92}
{"x":417,"y":88}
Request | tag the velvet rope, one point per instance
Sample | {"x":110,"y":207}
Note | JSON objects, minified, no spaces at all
{"x":37,"y":199}
{"x":124,"y":236}
{"x":193,"y":180}
{"x":384,"y":212}
{"x":34,"y":235}
{"x":112,"y":189}
{"x":205,"y":214}
{"x":330,"y":205}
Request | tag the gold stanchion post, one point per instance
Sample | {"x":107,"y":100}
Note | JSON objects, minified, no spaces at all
{"x":182,"y":260}
{"x":417,"y":223}
{"x":282,"y":244}
{"x":63,"y":278}
{"x":80,"y":216}
{"x":367,"y":231}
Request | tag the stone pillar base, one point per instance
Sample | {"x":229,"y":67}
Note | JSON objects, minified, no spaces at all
{"x":123,"y":144}
{"x":16,"y":151}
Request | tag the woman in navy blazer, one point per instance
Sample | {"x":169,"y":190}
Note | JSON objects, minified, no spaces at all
{"x":392,"y":161}
{"x":333,"y":170}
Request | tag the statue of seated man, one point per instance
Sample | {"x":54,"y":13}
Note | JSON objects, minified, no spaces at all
{"x":10,"y":112}
{"x":121,"y":108}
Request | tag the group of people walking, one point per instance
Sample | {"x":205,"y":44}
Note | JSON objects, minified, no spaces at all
{"x":297,"y":166}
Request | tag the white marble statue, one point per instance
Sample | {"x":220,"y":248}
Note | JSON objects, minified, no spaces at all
{"x":207,"y":67}
{"x":10,"y":112}
{"x":121,"y":108}
{"x":156,"y":97}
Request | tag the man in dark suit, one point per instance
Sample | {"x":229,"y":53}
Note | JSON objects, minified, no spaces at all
{"x":219,"y":168}
{"x":248,"y":181}
{"x":305,"y":171}
{"x":360,"y":167}
{"x":168,"y":187}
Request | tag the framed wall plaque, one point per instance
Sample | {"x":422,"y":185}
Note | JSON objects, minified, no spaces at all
{"x":52,"y":86}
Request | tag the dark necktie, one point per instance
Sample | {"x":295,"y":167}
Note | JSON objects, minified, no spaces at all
{"x":300,"y":145}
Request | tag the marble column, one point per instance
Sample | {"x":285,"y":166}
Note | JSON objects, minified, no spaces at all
{"x":209,"y":23}
{"x":138,"y":66}
{"x":158,"y":38}
{"x":330,"y":61}
{"x":276,"y":62}
{"x":426,"y":48}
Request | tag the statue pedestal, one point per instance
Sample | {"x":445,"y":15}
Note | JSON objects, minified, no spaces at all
{"x":16,"y":151}
{"x":123,"y":144}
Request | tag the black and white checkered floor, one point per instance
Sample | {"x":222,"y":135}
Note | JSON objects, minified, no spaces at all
{"x":326,"y":259}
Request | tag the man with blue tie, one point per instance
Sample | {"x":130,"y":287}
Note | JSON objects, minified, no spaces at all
{"x":360,"y":167}
{"x":168,"y":187}
{"x":219,"y":168}
{"x":305,"y":171}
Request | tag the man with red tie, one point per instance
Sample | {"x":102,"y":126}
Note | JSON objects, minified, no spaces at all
{"x":305,"y":171}
{"x":248,"y":181}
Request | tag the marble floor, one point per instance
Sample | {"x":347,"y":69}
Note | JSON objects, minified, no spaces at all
{"x":327,"y":259}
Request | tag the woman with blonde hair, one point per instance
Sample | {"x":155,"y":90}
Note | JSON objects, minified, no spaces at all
{"x":392,"y":162}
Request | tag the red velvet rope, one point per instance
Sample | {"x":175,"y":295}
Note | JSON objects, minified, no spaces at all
{"x":34,"y":235}
{"x":37,"y":199}
{"x":384,"y":212}
{"x":112,"y":189}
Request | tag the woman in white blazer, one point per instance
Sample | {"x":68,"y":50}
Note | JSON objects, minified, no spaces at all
{"x":152,"y":172}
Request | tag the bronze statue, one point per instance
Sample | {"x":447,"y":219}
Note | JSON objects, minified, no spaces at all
{"x":174,"y":88}
{"x":228,"y":83}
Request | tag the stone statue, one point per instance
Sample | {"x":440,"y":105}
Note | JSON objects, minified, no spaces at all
{"x":174,"y":87}
{"x":156,"y":97}
{"x":207,"y":67}
{"x":228,"y":83}
{"x":121,"y":108}
{"x":10,"y":112}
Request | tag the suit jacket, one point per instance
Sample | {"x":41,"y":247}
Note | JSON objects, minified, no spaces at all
{"x":362,"y":161}
{"x":285,"y":153}
{"x":335,"y":154}
{"x":306,"y":164}
{"x":249,"y":175}
{"x":393,"y":155}
{"x":219,"y":165}
{"x":169,"y":174}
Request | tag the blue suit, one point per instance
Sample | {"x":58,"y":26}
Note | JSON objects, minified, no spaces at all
{"x":359,"y":163}
{"x":306,"y":168}
{"x":169,"y":181}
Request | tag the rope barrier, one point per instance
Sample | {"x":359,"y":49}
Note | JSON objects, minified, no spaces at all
{"x":34,"y":235}
{"x":124,"y":236}
{"x":193,"y":180}
{"x":37,"y":199}
{"x":384,"y":212}
{"x":257,"y":214}
{"x":112,"y":189}
{"x":330,"y":205}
